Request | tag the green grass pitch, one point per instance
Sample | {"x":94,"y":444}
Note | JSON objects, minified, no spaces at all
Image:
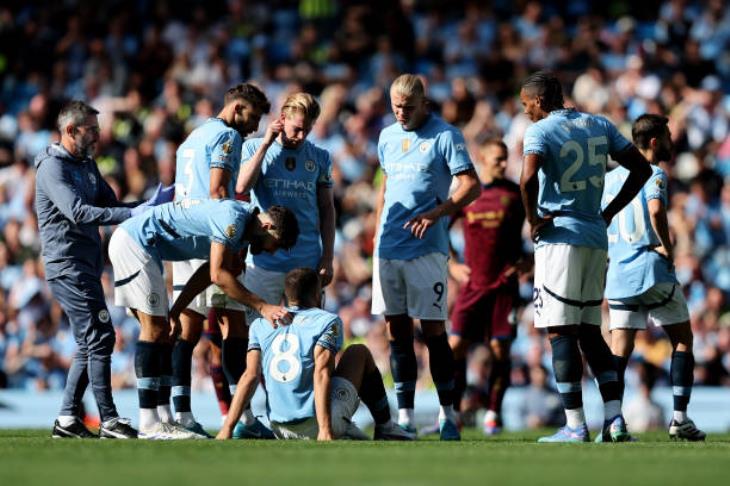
{"x":31,"y":457}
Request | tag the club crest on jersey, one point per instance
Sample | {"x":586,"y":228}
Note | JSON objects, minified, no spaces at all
{"x":290,"y":163}
{"x":231,"y":231}
{"x":424,"y":147}
{"x":227,"y":148}
{"x":104,"y":316}
{"x":309,"y":165}
{"x":405,"y":145}
{"x":660,"y":183}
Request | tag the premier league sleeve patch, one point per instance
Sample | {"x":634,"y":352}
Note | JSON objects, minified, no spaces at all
{"x":230,"y":231}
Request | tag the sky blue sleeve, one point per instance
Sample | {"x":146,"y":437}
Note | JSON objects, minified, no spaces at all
{"x":224,"y":152}
{"x":534,"y":141}
{"x":253,"y":335}
{"x":453,"y":148}
{"x":331,"y":337}
{"x":325,"y":169}
{"x":226,"y":227}
{"x":247,"y":150}
{"x":656,"y":187}
{"x":381,"y":152}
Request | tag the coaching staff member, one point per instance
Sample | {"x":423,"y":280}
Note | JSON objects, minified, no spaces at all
{"x":72,"y":200}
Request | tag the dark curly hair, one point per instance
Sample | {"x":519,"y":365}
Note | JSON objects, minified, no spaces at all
{"x":546,"y":86}
{"x":250,"y":93}
{"x":286,"y":226}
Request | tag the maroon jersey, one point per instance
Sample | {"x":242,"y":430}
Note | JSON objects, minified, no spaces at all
{"x":492,"y":233}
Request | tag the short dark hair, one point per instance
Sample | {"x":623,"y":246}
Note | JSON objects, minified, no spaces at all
{"x":299,"y":284}
{"x":646,"y":127}
{"x":545,"y":85}
{"x":74,"y":112}
{"x":250,"y":93}
{"x":285,"y":224}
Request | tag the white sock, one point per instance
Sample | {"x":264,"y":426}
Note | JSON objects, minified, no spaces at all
{"x":232,"y":389}
{"x":490,"y":416}
{"x":165,"y":413}
{"x":446,"y":412}
{"x":406,"y":416}
{"x":677,"y":415}
{"x":66,"y":420}
{"x":186,"y":419}
{"x":223,"y":419}
{"x":247,"y":418}
{"x":611,"y":409}
{"x":148,"y":417}
{"x":574,"y":417}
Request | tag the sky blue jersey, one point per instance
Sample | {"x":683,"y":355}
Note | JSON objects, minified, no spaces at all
{"x":574,"y":147}
{"x":633,"y":265}
{"x":287,"y":360}
{"x":213,"y":145}
{"x":291,"y":178}
{"x":184,"y":229}
{"x":419,"y":164}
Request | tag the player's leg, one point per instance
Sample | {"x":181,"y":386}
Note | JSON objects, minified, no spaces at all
{"x":625,"y":317}
{"x":502,"y":331}
{"x":673,"y":316}
{"x":389,"y":299}
{"x":467,"y":327}
{"x":622,"y":345}
{"x":215,"y":363}
{"x":555,"y":297}
{"x":460,"y":347}
{"x":356,"y":365}
{"x":191,"y":326}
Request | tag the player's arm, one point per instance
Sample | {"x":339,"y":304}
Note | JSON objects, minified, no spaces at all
{"x":326,"y":206}
{"x":198,"y":282}
{"x":324,"y":366}
{"x":222,"y":273}
{"x":466,"y":192}
{"x":639,"y":173}
{"x":219,"y":179}
{"x":251,"y":170}
{"x":660,"y":224}
{"x":244,"y":391}
{"x":529,"y":188}
{"x":379,"y":204}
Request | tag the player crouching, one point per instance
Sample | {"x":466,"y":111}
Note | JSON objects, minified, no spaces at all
{"x":308,"y":397}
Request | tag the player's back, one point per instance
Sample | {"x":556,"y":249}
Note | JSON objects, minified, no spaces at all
{"x":212,"y":145}
{"x":183,"y":230}
{"x":633,"y":265}
{"x":574,"y":147}
{"x":287,"y":360}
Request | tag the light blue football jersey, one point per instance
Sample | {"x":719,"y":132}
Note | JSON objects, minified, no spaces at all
{"x":291,"y":178}
{"x":213,"y":145}
{"x":419,"y":164}
{"x":184,"y":229}
{"x":574,"y":147}
{"x":287,"y":360}
{"x":633,"y":266}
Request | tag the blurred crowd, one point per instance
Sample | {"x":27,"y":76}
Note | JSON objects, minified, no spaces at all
{"x":157,"y":69}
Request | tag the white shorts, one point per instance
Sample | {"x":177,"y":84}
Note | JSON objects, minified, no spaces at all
{"x":138,"y":280}
{"x":662,"y":305}
{"x":266,"y":284}
{"x":343,"y":405}
{"x":569,"y":284}
{"x":181,"y":273}
{"x":415,"y":287}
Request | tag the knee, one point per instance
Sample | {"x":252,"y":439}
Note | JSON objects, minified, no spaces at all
{"x":400,"y":328}
{"x":359,"y":352}
{"x":103,"y":344}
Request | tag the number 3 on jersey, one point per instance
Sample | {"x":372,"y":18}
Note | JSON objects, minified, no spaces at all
{"x":188,"y":156}
{"x":574,"y":149}
{"x":285,"y":366}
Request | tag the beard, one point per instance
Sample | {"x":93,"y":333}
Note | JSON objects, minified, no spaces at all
{"x":664,"y":153}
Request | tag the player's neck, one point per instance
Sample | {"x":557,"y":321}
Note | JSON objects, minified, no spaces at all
{"x":650,"y":155}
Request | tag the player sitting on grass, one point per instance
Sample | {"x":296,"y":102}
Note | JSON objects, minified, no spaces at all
{"x":307,"y":396}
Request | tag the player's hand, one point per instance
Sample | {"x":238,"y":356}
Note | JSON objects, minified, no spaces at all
{"x":459,"y":272}
{"x":175,"y":326}
{"x":224,"y":434}
{"x":421,"y":223}
{"x":666,"y":254}
{"x":325,"y":435}
{"x":273,"y":131}
{"x":537,"y":224}
{"x":276,"y":315}
{"x":325,"y":271}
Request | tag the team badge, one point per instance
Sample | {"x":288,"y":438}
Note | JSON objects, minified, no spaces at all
{"x":424,"y":147}
{"x":405,"y":145}
{"x":309,"y":165}
{"x":231,"y":231}
{"x":104,"y":316}
{"x":227,"y":148}
{"x":290,"y":163}
{"x":153,"y":299}
{"x":660,"y":183}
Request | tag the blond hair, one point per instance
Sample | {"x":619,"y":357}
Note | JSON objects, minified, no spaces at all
{"x":408,"y":85}
{"x":303,"y":103}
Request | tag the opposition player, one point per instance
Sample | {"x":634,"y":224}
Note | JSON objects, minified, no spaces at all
{"x":207,"y":167}
{"x":419,"y":156}
{"x":492,"y":233}
{"x":565,"y":154}
{"x":215,"y":229}
{"x":641,"y":283}
{"x":308,"y":397}
{"x":284,"y":168}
